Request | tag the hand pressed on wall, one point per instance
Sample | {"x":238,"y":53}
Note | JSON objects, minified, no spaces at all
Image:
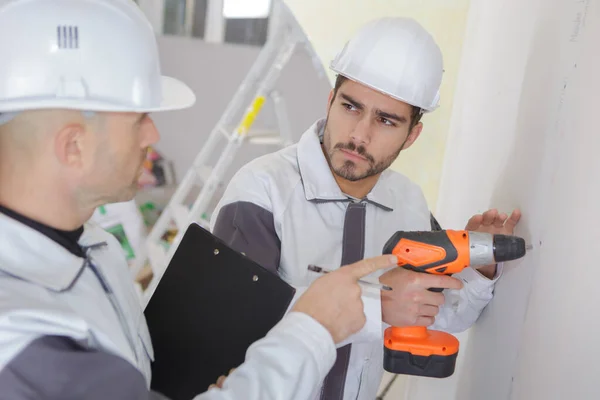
{"x":493,"y":222}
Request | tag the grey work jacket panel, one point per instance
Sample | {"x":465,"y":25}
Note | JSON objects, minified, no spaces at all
{"x":47,"y":291}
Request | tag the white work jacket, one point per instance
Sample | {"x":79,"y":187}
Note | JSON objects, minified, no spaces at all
{"x":73,"y":327}
{"x":286,"y":211}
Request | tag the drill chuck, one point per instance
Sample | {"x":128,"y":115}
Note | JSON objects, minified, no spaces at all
{"x":487,"y":249}
{"x":508,"y":248}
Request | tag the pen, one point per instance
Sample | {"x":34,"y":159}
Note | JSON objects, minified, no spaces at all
{"x":322,"y":270}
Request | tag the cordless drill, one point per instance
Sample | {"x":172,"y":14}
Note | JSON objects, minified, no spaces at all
{"x":417,"y":350}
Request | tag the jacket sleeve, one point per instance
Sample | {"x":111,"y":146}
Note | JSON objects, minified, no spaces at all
{"x":463,"y":307}
{"x":288,"y":364}
{"x":244,"y":220}
{"x":58,"y":367}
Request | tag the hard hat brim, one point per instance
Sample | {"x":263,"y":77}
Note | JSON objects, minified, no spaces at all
{"x":424,"y":109}
{"x":176,"y":95}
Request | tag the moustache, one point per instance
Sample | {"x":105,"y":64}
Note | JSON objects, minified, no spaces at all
{"x":360,"y":150}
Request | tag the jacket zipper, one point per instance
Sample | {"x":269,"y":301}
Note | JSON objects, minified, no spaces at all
{"x":362,"y":371}
{"x":109,"y":293}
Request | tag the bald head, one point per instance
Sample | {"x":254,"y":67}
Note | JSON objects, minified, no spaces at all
{"x":29,"y":134}
{"x":27,"y":127}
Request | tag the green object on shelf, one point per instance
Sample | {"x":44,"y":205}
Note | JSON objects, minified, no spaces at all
{"x":148,"y":206}
{"x":150,"y":213}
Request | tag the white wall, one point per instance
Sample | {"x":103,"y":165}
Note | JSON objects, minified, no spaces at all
{"x":214,"y":72}
{"x":523,"y":134}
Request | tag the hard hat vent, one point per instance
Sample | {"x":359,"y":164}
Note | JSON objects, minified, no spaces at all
{"x":67,"y":37}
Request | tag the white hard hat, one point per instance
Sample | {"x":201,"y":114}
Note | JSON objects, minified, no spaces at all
{"x":395,"y":56}
{"x":96,"y":55}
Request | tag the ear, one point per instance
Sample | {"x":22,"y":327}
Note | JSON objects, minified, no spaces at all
{"x":413,"y":135}
{"x":329,"y":99}
{"x":68,"y":145}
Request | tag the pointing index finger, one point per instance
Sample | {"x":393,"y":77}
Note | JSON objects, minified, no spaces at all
{"x":368,"y":266}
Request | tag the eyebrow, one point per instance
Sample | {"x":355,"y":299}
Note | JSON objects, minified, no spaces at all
{"x":352,"y":101}
{"x":393,"y":116}
{"x":379,"y":113}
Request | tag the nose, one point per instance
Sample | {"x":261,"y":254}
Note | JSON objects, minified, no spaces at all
{"x":150,"y":134}
{"x":362,"y":132}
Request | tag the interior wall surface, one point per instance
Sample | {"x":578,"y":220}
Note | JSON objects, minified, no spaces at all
{"x":523,"y":134}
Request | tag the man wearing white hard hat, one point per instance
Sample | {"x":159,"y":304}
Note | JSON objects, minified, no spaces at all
{"x":77,"y":81}
{"x":330,"y":199}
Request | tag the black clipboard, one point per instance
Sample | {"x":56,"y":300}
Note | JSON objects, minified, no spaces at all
{"x":210,"y":305}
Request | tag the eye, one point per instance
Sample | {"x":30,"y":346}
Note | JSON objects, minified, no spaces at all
{"x":349,"y":107}
{"x":386,"y":122}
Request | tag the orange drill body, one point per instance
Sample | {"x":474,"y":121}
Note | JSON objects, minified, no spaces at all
{"x":416,"y":350}
{"x":447,"y":255}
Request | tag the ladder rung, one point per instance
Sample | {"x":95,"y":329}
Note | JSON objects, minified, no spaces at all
{"x":267,"y":139}
{"x":262,"y":132}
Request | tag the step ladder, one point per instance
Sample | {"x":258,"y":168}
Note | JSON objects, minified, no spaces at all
{"x":258,"y":87}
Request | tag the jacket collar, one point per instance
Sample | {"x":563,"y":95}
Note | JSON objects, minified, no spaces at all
{"x":317,"y":179}
{"x":67,"y":239}
{"x":29,"y":255}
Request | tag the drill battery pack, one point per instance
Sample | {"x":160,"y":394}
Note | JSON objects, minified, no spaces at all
{"x":433,"y":366}
{"x":419,"y":351}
